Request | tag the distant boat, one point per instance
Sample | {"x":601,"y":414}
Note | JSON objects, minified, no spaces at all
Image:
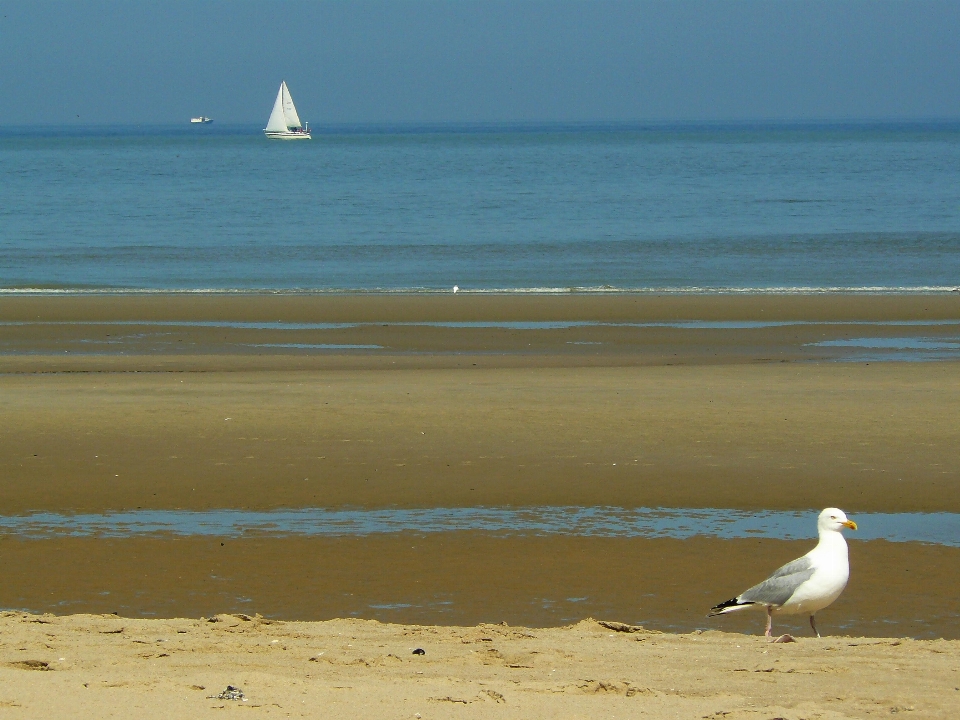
{"x":284,"y":123}
{"x":201,"y":120}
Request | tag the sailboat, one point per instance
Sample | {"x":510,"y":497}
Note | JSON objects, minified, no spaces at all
{"x":284,"y":123}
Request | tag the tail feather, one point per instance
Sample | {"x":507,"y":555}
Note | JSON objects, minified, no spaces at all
{"x":731,"y":605}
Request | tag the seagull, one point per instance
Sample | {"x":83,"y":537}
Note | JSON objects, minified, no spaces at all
{"x":807,"y":584}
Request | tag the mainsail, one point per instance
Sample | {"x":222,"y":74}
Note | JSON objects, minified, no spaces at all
{"x":289,"y":110}
{"x":284,"y":116}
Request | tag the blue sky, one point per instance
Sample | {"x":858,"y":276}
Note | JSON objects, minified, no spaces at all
{"x":429,"y":61}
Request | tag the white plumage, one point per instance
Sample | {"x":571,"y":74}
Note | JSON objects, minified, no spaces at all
{"x":806,"y":585}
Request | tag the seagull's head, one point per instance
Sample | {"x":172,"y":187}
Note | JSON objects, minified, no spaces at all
{"x":834,"y":519}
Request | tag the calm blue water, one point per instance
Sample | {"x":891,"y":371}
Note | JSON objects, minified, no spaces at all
{"x":600,"y":521}
{"x":482,"y":208}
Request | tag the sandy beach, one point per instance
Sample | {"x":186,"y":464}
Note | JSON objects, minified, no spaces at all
{"x":91,"y":666}
{"x":257,"y":403}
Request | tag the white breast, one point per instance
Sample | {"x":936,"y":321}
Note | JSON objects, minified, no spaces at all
{"x":832,"y":570}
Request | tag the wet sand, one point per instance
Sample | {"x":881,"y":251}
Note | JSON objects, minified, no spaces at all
{"x":104,"y":667}
{"x":199,"y":417}
{"x":792,"y":436}
{"x":400,"y":307}
{"x":465,"y":578}
{"x":245,"y":332}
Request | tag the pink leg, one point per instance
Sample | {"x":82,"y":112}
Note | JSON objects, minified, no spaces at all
{"x":769,"y":632}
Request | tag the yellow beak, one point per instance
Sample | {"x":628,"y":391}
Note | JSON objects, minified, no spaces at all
{"x":850,"y":524}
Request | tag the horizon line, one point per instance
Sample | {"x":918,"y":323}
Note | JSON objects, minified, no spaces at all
{"x":512,"y":124}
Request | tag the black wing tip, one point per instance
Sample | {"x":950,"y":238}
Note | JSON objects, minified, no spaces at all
{"x":726,"y":605}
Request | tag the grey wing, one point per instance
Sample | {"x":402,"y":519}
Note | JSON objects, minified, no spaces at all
{"x":778,"y":588}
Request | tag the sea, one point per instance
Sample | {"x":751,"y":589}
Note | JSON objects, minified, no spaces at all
{"x":489,"y":208}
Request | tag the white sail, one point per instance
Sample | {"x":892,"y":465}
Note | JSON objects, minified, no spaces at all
{"x":289,"y":109}
{"x":277,"y":121}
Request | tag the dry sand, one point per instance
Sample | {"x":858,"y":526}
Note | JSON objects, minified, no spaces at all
{"x":87,"y":666}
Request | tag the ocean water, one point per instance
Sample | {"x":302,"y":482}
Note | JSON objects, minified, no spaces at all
{"x":487,"y":208}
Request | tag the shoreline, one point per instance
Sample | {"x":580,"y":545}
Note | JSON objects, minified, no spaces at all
{"x":493,"y":304}
{"x":164,"y":332}
{"x":533,"y":290}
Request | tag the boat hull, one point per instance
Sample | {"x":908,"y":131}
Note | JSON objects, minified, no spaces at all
{"x":286,"y":135}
